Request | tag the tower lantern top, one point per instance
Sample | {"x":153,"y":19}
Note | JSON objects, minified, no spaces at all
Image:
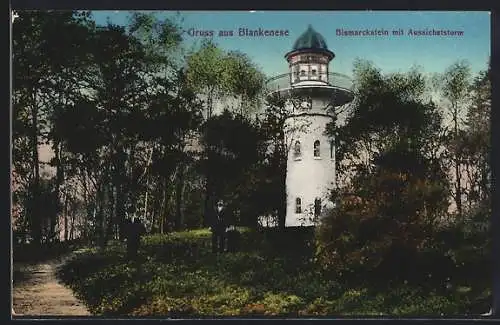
{"x":310,"y":42}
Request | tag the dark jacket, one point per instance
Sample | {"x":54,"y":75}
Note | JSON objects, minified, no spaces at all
{"x":221,"y":220}
{"x":139,"y":228}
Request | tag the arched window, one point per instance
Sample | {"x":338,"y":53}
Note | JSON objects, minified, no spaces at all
{"x":317,"y":207}
{"x":331,"y":149}
{"x":316,"y":148}
{"x":296,"y":149}
{"x":298,"y":205}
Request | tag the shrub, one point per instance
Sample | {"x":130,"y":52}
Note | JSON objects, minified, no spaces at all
{"x":250,"y":283}
{"x":385,"y":215}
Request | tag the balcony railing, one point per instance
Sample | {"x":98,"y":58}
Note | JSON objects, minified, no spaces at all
{"x":284,"y":81}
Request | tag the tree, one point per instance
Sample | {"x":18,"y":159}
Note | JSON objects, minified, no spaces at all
{"x":476,"y":139}
{"x":172,"y":103}
{"x":118,"y":113}
{"x":454,"y":85}
{"x":175,"y":115}
{"x":272,"y":189}
{"x":237,"y":148}
{"x":216,"y":76}
{"x":397,"y":189}
{"x":43,"y":79}
{"x":376,"y":121}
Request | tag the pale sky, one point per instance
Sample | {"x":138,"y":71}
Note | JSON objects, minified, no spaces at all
{"x":389,"y":53}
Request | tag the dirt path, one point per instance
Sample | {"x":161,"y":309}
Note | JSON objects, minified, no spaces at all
{"x":39,"y":292}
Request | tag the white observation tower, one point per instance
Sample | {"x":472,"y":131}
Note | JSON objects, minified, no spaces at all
{"x":312,"y":92}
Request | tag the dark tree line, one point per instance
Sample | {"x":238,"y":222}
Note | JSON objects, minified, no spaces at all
{"x":128,"y":113}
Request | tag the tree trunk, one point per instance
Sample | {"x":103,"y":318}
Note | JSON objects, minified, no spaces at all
{"x":90,"y":207}
{"x":282,"y":201}
{"x":161,"y":217}
{"x":207,"y":222}
{"x":54,"y":216}
{"x":120,"y":210}
{"x":209,"y":216}
{"x":111,"y":217}
{"x":485,"y":179}
{"x":59,"y":179}
{"x":72,"y":227}
{"x":458,"y":187}
{"x":65,"y":215}
{"x":208,"y":207}
{"x":282,"y":213}
{"x":36,"y":224}
{"x":470,"y":187}
{"x":178,"y":197}
{"x":145,"y":211}
{"x":100,"y":219}
{"x":166,"y":207}
{"x":156,"y":208}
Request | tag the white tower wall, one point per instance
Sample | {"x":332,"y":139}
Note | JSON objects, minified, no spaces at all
{"x":308,"y":177}
{"x":312,"y":91}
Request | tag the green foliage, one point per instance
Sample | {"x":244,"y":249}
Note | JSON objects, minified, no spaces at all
{"x":388,"y":110}
{"x":219,"y":75}
{"x":455,"y":82}
{"x":118,"y":113}
{"x":271,"y":196}
{"x":394,"y":209}
{"x":50,"y":54}
{"x":256,"y":281}
{"x":399,"y":194}
{"x":475,"y":144}
{"x":162,"y":39}
{"x":236,"y":148}
{"x":455,"y":87}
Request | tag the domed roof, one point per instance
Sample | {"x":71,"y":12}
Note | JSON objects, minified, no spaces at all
{"x":310,"y":39}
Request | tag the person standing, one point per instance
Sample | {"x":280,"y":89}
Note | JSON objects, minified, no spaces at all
{"x":233,"y":239}
{"x":219,"y":228}
{"x":139,"y":231}
{"x":135,"y":230}
{"x":128,"y":236}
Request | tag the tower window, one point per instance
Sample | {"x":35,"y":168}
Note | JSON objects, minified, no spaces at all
{"x":316,"y":148}
{"x":296,"y":149}
{"x":317,"y":207}
{"x":298,"y":205}
{"x":313,"y":72}
{"x":302,"y":72}
{"x":331,"y":149}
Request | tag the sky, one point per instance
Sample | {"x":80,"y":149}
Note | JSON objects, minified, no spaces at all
{"x":389,"y":53}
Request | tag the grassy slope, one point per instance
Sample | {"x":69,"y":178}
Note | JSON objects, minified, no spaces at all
{"x":178,"y":276}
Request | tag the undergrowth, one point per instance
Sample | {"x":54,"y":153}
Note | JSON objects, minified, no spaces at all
{"x":177,"y":275}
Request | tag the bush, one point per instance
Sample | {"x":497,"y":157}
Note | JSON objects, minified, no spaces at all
{"x":251,"y":282}
{"x":386,"y":215}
